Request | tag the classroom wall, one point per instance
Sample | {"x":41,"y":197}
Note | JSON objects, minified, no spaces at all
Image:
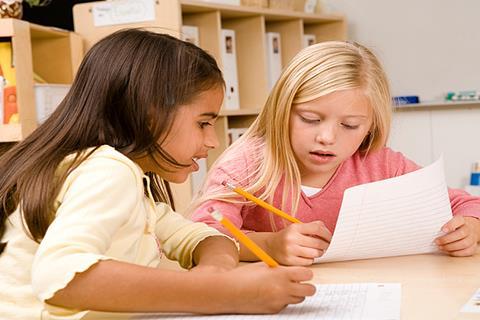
{"x":427,"y":47}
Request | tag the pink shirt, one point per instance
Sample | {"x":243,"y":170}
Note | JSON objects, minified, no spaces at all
{"x":325,"y":205}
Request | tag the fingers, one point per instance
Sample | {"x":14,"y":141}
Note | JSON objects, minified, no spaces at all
{"x":464,"y":252}
{"x":300,"y":244}
{"x":315,"y":228}
{"x":313,"y":242}
{"x":302,"y":290}
{"x":299,"y":274}
{"x":297,"y":261}
{"x":453,"y":236}
{"x":309,"y":253}
{"x":453,"y":224}
{"x":460,"y":241}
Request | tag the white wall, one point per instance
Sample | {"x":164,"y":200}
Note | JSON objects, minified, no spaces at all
{"x":428,"y":47}
{"x":425,"y":134}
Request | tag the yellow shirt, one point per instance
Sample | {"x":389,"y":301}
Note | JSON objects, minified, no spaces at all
{"x":102,"y":213}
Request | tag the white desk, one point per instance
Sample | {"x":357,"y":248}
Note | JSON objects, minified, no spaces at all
{"x":433,"y":286}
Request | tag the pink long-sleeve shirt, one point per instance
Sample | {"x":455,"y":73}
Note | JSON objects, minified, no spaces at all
{"x":324,"y":205}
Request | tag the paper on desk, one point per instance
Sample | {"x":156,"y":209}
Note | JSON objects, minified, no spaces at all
{"x":393,"y":217}
{"x":473,"y":305}
{"x":360,"y":301}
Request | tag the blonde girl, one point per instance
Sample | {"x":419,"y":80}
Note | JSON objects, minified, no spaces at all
{"x":85,"y":205}
{"x":322,"y":130}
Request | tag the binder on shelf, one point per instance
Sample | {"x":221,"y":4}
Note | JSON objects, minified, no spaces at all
{"x":191,"y":34}
{"x":309,"y":39}
{"x":274,"y":58}
{"x":199,"y":176}
{"x":229,"y":60}
{"x":235,"y":133}
{"x":310,"y":6}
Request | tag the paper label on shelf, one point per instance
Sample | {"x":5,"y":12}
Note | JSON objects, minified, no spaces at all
{"x":123,"y":12}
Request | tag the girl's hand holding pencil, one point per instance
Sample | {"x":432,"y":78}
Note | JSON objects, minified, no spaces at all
{"x":257,"y":288}
{"x":298,"y":244}
{"x":264,"y":289}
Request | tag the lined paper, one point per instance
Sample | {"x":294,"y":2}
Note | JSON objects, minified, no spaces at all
{"x":392,"y":217}
{"x":473,"y":305}
{"x":360,"y":301}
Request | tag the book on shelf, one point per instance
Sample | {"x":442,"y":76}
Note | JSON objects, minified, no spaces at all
{"x":310,"y":6}
{"x":229,"y":61}
{"x":8,"y":79}
{"x":10,"y":110}
{"x":191,"y":34}
{"x":235,"y":133}
{"x":274,"y":57}
{"x":309,"y":39}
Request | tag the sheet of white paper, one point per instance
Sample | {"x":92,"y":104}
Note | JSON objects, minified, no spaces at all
{"x":393,"y":217}
{"x":473,"y":305}
{"x":360,"y":301}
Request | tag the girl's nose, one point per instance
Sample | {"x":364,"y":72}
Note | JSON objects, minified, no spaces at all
{"x":326,"y":135}
{"x":211,"y":139}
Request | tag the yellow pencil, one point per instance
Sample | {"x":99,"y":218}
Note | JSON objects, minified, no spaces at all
{"x":260,"y":202}
{"x":246,"y":241}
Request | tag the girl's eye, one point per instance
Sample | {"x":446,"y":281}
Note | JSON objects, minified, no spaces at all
{"x":309,"y":120}
{"x":350,"y":127}
{"x":204,"y":124}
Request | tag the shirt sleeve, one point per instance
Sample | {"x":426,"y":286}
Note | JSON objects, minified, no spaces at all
{"x":98,"y":198}
{"x":233,"y":211}
{"x":179,"y":236}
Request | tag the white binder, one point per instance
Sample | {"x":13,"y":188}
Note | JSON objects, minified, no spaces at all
{"x":229,"y":60}
{"x":274,"y":57}
{"x":191,"y":34}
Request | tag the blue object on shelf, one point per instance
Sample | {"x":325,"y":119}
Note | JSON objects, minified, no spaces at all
{"x":400,"y":100}
{"x":475,"y":178}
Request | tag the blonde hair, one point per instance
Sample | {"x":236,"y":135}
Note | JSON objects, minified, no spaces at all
{"x":315,"y":71}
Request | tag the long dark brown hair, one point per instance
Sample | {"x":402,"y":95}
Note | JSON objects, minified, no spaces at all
{"x":125,"y":95}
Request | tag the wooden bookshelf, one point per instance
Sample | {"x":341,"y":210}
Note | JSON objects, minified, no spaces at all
{"x":52,"y":53}
{"x":250,"y":25}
